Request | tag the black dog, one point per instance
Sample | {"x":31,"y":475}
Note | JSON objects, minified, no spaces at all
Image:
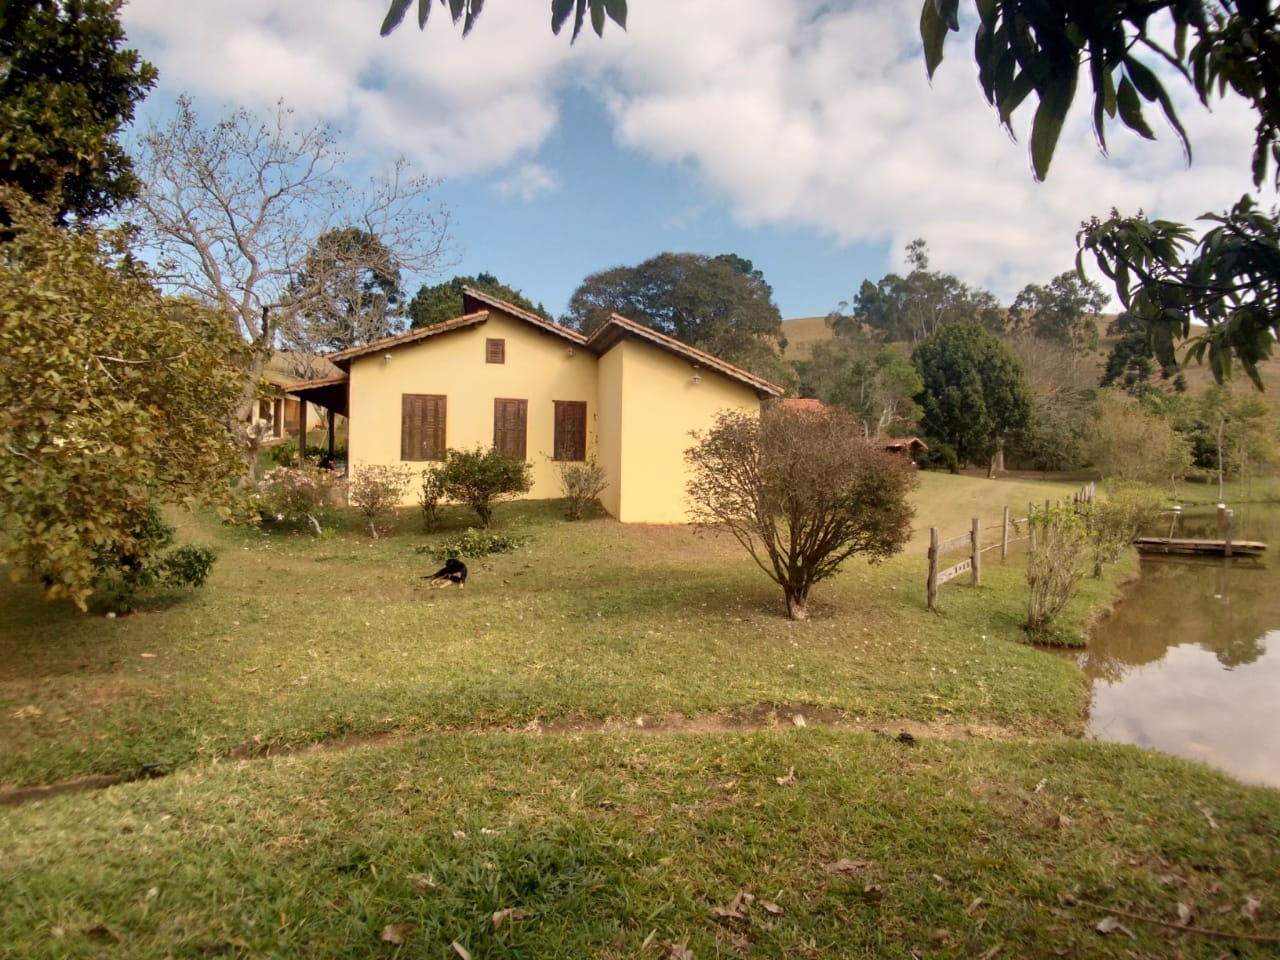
{"x":453,"y":571}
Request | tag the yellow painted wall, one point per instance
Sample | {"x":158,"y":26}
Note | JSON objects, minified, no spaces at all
{"x":609,"y":427}
{"x":660,"y":404}
{"x":538,"y":369}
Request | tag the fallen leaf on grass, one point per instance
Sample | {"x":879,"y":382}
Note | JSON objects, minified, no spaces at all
{"x":735,"y":910}
{"x":397,"y":933}
{"x":1110,"y":925}
{"x":790,"y":778}
{"x":991,"y":953}
{"x":1185,"y":916}
{"x":768,"y":906}
{"x":798,"y":720}
{"x":510,"y":914}
{"x":148,"y":656}
{"x":847,"y":867}
{"x":29,"y":712}
{"x":460,"y":950}
{"x":1250,"y":908}
{"x":678,"y":951}
{"x":872,"y":893}
{"x":1208,"y":815}
{"x":423,"y":882}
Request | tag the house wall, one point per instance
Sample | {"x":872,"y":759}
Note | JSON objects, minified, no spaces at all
{"x":609,"y":434}
{"x":538,"y":369}
{"x":659,"y":406}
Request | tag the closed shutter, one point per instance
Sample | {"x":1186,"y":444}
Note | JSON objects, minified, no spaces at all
{"x":571,"y":430}
{"x":495,"y":351}
{"x":422,"y":422}
{"x":510,"y":418}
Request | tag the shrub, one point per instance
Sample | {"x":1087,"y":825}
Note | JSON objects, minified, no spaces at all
{"x":286,"y":454}
{"x":376,"y":490}
{"x":429,"y":498}
{"x":801,"y":492}
{"x":480,"y":477}
{"x":1055,"y":563}
{"x":296,"y":495}
{"x":1113,"y":522}
{"x":582,"y":484}
{"x":146,"y":562}
{"x":476,"y":543}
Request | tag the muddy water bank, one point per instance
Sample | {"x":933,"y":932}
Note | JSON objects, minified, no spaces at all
{"x":1189,"y":661}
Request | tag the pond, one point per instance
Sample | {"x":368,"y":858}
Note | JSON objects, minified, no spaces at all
{"x":1189,"y":661}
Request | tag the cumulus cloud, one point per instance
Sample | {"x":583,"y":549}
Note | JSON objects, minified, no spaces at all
{"x":802,"y":114}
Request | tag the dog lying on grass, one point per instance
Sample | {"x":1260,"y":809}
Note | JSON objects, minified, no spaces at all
{"x":453,"y":571}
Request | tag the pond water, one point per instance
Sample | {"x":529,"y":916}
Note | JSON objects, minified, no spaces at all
{"x":1189,"y":662}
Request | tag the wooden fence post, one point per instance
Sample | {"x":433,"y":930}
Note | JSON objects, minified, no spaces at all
{"x":931,"y":585}
{"x":1004,"y":535}
{"x":1031,"y":527}
{"x":976,"y":537}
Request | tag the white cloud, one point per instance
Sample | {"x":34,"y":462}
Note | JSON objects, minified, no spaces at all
{"x":528,"y":182}
{"x":793,"y":114}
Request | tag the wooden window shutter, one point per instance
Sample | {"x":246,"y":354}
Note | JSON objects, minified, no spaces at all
{"x":570,"y":430}
{"x":495,"y":351}
{"x":422,"y":422}
{"x":510,"y":419}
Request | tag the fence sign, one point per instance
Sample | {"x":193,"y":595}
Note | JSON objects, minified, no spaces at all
{"x":964,"y":566}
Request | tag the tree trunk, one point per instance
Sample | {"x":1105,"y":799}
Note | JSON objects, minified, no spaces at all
{"x":797,"y":602}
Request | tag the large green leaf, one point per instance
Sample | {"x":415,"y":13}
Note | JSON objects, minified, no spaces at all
{"x":395,"y":14}
{"x":560,"y":10}
{"x":933,"y":33}
{"x":1131,"y":109}
{"x":1055,"y":101}
{"x":617,"y":10}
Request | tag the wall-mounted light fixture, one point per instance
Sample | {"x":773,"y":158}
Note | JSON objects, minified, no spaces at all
{"x":569,"y":352}
{"x":697,"y":378}
{"x":386,"y":358}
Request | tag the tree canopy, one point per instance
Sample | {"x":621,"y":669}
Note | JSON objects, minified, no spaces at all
{"x":1063,"y":310}
{"x":348,"y":291}
{"x":67,"y":88}
{"x":111,"y":398}
{"x":874,"y":382}
{"x":718,"y":304}
{"x":975,"y":392}
{"x":443,"y":301}
{"x":915,"y":306}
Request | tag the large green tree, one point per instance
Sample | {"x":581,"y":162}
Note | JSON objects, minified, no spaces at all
{"x":468,"y":10}
{"x":443,"y":301}
{"x":1064,"y":310}
{"x":874,"y":382}
{"x":975,"y":392}
{"x":913,"y":306}
{"x":67,"y":88}
{"x":112,"y":398}
{"x":718,"y":304}
{"x":348,"y":288}
{"x":1126,"y":50}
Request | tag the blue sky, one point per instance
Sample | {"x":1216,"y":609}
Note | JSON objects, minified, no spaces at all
{"x":802,"y":135}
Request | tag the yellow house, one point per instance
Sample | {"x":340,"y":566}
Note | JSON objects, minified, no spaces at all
{"x":627,"y":395}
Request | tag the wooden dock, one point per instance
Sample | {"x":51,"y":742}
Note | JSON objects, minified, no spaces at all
{"x":1219,"y":548}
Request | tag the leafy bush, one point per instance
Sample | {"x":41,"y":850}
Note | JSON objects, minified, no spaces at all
{"x":480,"y":477}
{"x":147,"y":563}
{"x":1055,"y":563}
{"x":1115,"y":520}
{"x":376,"y":490}
{"x":476,"y":543}
{"x":582,"y":484}
{"x":939,"y":456}
{"x":429,"y":498}
{"x":296,"y":495}
{"x":286,"y":454}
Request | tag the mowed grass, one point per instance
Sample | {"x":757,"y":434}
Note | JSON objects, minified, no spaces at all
{"x":790,"y":843}
{"x":298,"y":640}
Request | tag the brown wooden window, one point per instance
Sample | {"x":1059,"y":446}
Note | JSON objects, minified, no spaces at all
{"x":495,"y":351}
{"x":422,"y":419}
{"x":510,"y":419}
{"x":571,"y":430}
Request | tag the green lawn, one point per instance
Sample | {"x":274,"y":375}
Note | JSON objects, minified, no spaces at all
{"x":598,"y":731}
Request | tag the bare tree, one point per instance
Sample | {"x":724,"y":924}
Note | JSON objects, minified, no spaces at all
{"x":233,"y":209}
{"x":802,"y":492}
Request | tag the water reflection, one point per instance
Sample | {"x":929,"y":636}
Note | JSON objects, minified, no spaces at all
{"x":1182,"y":665}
